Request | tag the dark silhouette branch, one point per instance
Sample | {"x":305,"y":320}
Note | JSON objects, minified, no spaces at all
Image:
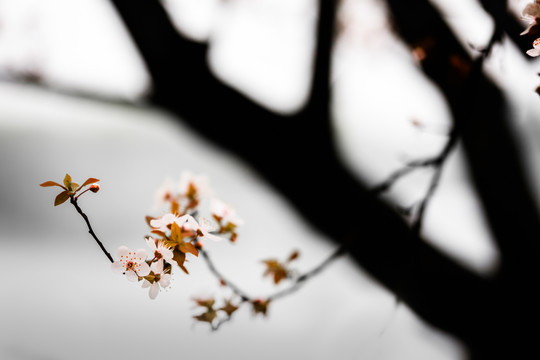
{"x":481,"y":119}
{"x":306,"y":169}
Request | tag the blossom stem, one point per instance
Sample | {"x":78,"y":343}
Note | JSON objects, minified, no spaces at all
{"x":306,"y":276}
{"x":73,"y":200}
{"x":77,"y":197}
{"x":216,"y":273}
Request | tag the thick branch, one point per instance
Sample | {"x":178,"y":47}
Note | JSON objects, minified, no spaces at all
{"x":302,"y":164}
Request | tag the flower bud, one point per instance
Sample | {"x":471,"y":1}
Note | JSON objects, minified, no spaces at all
{"x":94,"y":188}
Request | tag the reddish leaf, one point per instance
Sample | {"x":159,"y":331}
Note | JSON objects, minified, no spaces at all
{"x":148,"y":219}
{"x":51,"y":183}
{"x":188,"y":248}
{"x":89,"y":181}
{"x":175,"y":207}
{"x":67,"y":182}
{"x":75,"y":187}
{"x":207,"y":316}
{"x":160,"y":233}
{"x":276,"y":269}
{"x":260,"y":306}
{"x":207,"y":303}
{"x":61,"y":198}
{"x":228,"y":308}
{"x":294,"y":255}
{"x":176,"y":233}
{"x":180,"y":258}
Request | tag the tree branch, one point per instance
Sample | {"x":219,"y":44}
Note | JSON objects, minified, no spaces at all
{"x":73,"y":201}
{"x":304,"y":166}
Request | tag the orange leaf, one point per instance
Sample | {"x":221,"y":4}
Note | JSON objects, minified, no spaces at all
{"x":61,"y":198}
{"x":180,"y":257}
{"x":89,"y":181}
{"x":176,"y":233}
{"x":175,"y":207}
{"x":207,"y":316}
{"x":148,"y":219}
{"x":294,"y":255}
{"x":229,"y":308}
{"x":51,"y":183}
{"x":160,"y":233}
{"x":260,"y":306}
{"x":188,"y":248}
{"x":67,"y":181}
{"x":208,"y":303}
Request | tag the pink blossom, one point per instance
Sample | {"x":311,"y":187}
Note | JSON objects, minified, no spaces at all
{"x":159,"y":250}
{"x":164,"y":223}
{"x":131,"y":263}
{"x":535,"y":51}
{"x":224,"y":212}
{"x":531,"y":14}
{"x":204,"y":229}
{"x":161,"y":278}
{"x":199,"y":183}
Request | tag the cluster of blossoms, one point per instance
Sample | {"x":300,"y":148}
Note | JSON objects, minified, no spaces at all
{"x":176,"y":233}
{"x":531,"y":14}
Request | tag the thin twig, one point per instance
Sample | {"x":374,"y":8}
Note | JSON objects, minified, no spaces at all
{"x":413,"y":165}
{"x":298,"y":282}
{"x":417,"y":224}
{"x":308,"y":275}
{"x":243,"y":295}
{"x":90,"y":230}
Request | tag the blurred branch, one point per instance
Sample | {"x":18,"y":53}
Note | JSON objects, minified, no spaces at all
{"x":297,"y":156}
{"x":506,"y":22}
{"x":436,"y":162}
{"x":499,"y":176}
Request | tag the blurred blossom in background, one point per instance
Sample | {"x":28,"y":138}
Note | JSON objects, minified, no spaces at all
{"x":72,"y":100}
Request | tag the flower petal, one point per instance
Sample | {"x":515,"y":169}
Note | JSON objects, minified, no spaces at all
{"x":144,"y":269}
{"x":157,"y":267}
{"x":165,"y":280}
{"x":151,"y":243}
{"x":122,"y":251}
{"x":140,"y":254}
{"x":533,"y":52}
{"x":167,"y":253}
{"x":131,"y":276}
{"x":154,"y":290}
{"x":212,"y":237}
{"x":117,"y":267}
{"x":146,"y":284}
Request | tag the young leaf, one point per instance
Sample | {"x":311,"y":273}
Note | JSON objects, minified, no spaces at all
{"x":51,"y":183}
{"x":188,"y":248}
{"x":67,"y":182}
{"x":294,"y":255}
{"x":207,"y":316}
{"x":260,"y":306}
{"x":228,"y":308}
{"x":176,"y":233}
{"x":175,"y":207}
{"x":180,"y":258}
{"x":207,"y":303}
{"x":75,"y":187}
{"x":148,"y":219}
{"x":61,"y":198}
{"x":89,"y":181}
{"x":276,"y":269}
